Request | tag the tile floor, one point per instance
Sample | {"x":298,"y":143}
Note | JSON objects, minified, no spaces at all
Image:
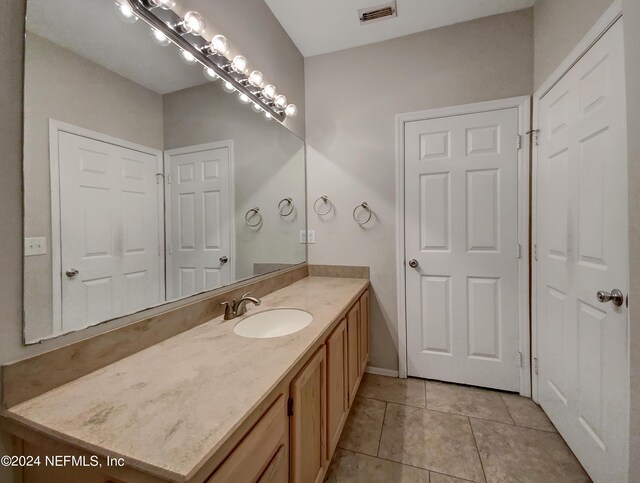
{"x":411,"y":430}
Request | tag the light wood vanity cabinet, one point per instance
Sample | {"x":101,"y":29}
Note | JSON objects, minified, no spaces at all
{"x":337,"y":390}
{"x":297,"y":433}
{"x":309,"y":421}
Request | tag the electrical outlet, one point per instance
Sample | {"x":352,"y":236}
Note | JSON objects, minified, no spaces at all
{"x":35,"y":246}
{"x":303,"y":236}
{"x":311,"y":236}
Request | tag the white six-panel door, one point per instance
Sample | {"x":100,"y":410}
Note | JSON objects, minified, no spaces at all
{"x":582,"y":245}
{"x":461,"y":227}
{"x":109,"y":234}
{"x":200,"y":220}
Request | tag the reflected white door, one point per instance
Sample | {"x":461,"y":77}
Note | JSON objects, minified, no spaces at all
{"x":109,"y":217}
{"x":461,"y":206}
{"x":200,"y":220}
{"x":582,"y":238}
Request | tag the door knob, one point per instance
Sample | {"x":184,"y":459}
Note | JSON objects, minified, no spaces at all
{"x":72,"y":272}
{"x":224,"y":259}
{"x":616,"y":297}
{"x":413,"y":263}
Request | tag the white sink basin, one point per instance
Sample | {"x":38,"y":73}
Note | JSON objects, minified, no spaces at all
{"x":273,"y":323}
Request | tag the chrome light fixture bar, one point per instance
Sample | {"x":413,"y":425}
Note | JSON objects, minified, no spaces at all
{"x":232,"y":72}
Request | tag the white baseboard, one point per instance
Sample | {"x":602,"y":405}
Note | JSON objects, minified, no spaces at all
{"x":381,"y":372}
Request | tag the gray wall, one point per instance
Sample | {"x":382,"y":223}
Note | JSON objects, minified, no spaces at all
{"x":352,"y":99}
{"x":63,"y":86}
{"x":268,"y":165}
{"x":631,"y":9}
{"x":558,"y":27}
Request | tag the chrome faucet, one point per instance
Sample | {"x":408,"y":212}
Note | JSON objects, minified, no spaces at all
{"x":238,"y":307}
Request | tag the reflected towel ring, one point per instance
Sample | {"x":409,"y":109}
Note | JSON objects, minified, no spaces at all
{"x":365,"y":206}
{"x":326,"y":201}
{"x":252,"y":213}
{"x":290,"y":202}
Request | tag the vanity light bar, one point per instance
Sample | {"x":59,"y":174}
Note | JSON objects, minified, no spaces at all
{"x":187,"y":34}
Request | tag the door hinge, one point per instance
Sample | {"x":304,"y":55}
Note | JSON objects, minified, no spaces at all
{"x":519,"y":251}
{"x":519,"y":141}
{"x":536,"y":136}
{"x":535,"y":365}
{"x":519,"y":359}
{"x":290,"y":407}
{"x":535,"y":252}
{"x":159,"y":176}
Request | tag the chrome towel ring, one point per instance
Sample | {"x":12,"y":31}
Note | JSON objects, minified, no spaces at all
{"x":365,"y":206}
{"x":325,"y":201}
{"x":253,"y":213}
{"x":282,"y":212}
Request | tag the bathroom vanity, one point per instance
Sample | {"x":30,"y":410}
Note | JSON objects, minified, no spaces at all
{"x":210,"y":405}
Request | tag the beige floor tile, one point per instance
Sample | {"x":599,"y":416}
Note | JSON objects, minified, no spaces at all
{"x":392,"y":389}
{"x":349,"y":467}
{"x":527,"y":413}
{"x":469,"y":401}
{"x":363,"y":427}
{"x":511,"y":453}
{"x":440,"y":478}
{"x":432,"y":440}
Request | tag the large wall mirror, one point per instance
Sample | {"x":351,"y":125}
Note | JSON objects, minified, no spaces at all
{"x":145,"y":181}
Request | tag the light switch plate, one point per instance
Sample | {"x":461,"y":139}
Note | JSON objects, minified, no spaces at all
{"x":303,"y":236}
{"x":311,"y":236}
{"x":35,"y":246}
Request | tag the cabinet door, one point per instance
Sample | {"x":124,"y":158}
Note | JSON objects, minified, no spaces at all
{"x":364,"y":330}
{"x":337,"y":375}
{"x":278,"y":469}
{"x":353,"y":321}
{"x":308,"y":422}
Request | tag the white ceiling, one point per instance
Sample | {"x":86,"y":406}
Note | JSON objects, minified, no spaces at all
{"x":94,"y":30}
{"x":323,"y":26}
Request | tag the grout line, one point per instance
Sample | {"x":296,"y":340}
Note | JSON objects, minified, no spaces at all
{"x":473,"y":435}
{"x":391,"y":402}
{"x":546,"y":431}
{"x":384,"y":417}
{"x":508,"y":410}
{"x":450,"y":476}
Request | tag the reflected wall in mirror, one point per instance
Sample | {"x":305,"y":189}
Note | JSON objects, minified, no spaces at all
{"x":142,"y":176}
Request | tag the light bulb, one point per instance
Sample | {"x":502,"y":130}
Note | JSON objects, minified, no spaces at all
{"x":268,"y":115}
{"x":210,"y":74}
{"x":194,"y":22}
{"x":239,"y":64}
{"x":256,"y":78}
{"x":187,"y":57}
{"x":280,"y":101}
{"x":164,"y":4}
{"x":256,"y":107}
{"x":220,"y":45}
{"x":269,"y":91}
{"x":291,"y":110}
{"x":228,"y":86}
{"x":159,"y":37}
{"x":244,"y":98}
{"x":126,"y":12}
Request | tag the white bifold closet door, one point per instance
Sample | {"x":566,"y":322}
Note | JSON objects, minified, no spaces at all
{"x":461,"y":205}
{"x":110,"y":205}
{"x":582,"y":245}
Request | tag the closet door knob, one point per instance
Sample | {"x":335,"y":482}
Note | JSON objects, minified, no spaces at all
{"x":413,"y":263}
{"x":72,"y":272}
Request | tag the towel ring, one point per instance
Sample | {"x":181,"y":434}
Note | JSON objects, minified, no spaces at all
{"x":253,"y":212}
{"x":290,"y":202}
{"x":326,"y":201}
{"x":364,"y":205}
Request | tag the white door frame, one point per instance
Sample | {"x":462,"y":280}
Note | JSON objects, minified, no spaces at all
{"x":523,"y":104}
{"x":55,"y":128}
{"x":611,"y":16}
{"x":227,"y":143}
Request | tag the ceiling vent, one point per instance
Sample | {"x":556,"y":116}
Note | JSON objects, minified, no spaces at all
{"x":380,"y":12}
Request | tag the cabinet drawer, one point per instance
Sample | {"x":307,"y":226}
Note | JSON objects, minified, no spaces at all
{"x":256,"y":451}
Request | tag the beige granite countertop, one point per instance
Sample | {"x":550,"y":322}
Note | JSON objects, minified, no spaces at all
{"x":168,"y":408}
